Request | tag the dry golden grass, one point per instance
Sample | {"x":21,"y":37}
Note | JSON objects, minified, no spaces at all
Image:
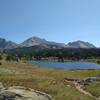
{"x":47,"y":80}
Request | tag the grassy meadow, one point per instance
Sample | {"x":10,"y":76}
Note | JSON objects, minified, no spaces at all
{"x":51,"y":81}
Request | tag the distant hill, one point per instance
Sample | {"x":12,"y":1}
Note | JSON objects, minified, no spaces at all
{"x":37,"y":43}
{"x":7,"y":44}
{"x":80,"y":44}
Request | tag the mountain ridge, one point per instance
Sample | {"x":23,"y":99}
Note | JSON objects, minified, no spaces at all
{"x":43,"y":43}
{"x":80,"y":44}
{"x":33,"y":41}
{"x":4,"y":44}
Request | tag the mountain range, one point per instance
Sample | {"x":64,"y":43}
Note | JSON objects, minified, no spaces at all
{"x":40,"y":43}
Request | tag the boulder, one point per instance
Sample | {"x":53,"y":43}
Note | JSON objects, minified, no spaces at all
{"x":22,"y":93}
{"x":88,"y":80}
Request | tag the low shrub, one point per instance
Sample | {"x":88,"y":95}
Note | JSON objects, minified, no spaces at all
{"x":0,"y":63}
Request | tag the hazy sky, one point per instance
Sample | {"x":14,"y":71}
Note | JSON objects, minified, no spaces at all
{"x":54,"y":20}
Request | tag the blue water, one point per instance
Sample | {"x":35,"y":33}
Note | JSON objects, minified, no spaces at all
{"x":66,"y":65}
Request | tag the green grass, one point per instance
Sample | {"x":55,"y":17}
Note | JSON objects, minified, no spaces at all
{"x":93,"y":88}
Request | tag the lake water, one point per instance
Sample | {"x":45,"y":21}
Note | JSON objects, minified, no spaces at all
{"x":66,"y":65}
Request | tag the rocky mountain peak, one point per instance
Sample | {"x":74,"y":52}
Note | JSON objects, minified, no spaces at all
{"x":80,"y":44}
{"x":7,"y":44}
{"x":32,"y":42}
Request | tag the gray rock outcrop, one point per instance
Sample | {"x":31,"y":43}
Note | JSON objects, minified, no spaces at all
{"x":21,"y":93}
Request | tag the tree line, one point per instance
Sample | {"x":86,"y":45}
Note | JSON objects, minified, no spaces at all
{"x":58,"y":54}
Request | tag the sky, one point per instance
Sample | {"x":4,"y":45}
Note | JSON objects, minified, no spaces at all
{"x":55,"y":20}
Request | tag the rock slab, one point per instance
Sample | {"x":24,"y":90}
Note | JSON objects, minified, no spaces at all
{"x":22,"y":93}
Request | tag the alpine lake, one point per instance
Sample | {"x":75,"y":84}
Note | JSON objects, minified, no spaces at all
{"x":70,"y":65}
